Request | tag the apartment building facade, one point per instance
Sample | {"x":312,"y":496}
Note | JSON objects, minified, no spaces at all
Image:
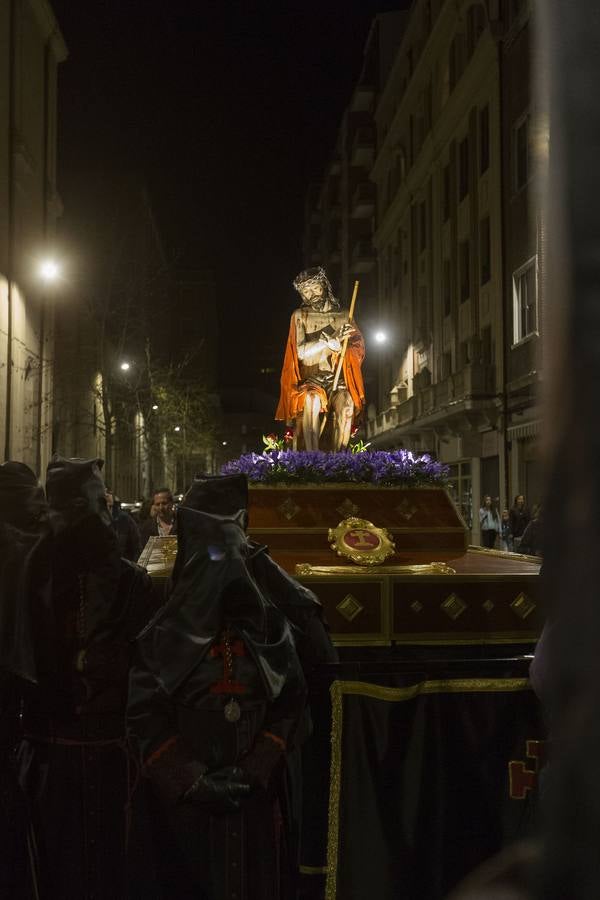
{"x":31,"y":49}
{"x":457,"y":237}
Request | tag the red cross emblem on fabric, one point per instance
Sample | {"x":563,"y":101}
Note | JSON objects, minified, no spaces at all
{"x":521,"y":779}
{"x":227,"y":649}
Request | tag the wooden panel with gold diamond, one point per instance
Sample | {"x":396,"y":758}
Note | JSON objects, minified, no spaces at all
{"x":475,"y":609}
{"x":357,"y":609}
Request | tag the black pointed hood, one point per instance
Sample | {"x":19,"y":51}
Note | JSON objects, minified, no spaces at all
{"x":76,"y":491}
{"x":214,"y":589}
{"x":221,"y":495}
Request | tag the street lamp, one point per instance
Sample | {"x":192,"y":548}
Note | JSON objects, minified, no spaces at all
{"x":155,"y":406}
{"x":177,"y":428}
{"x":125,"y":366}
{"x":380,"y":337}
{"x":49,"y":270}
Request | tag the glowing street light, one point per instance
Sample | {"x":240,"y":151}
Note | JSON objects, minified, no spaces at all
{"x":224,"y":443}
{"x":177,"y":428}
{"x":380,"y":337}
{"x":125,"y":366}
{"x":49,"y":270}
{"x":155,"y":406}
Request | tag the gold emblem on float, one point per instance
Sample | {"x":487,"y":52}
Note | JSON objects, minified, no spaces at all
{"x":361,"y":541}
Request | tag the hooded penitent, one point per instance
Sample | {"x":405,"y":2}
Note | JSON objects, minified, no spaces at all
{"x":74,"y":763}
{"x":227,"y":495}
{"x":86,"y":559}
{"x":24,"y":567}
{"x":219,"y":644}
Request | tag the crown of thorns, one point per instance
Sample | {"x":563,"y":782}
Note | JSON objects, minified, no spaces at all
{"x":311,"y":276}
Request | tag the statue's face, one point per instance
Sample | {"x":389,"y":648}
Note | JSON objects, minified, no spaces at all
{"x":312,"y":291}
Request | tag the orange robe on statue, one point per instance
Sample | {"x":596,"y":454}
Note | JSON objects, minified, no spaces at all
{"x":293,"y":393}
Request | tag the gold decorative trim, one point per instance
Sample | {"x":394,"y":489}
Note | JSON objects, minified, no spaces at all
{"x":393,"y":529}
{"x":349,"y":607}
{"x":361,"y":541}
{"x":344,"y":486}
{"x":378,"y":692}
{"x":347,"y":508}
{"x":434,"y":568}
{"x":453,"y":606}
{"x":447,"y":639}
{"x":523,"y":605}
{"x":406,"y":510}
{"x":505,"y":554}
{"x":416,"y":606}
{"x":289,"y":508}
{"x":488,"y":605}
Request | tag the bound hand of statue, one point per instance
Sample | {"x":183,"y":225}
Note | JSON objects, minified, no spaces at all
{"x":331,"y":341}
{"x":345,"y":331}
{"x":220,"y":791}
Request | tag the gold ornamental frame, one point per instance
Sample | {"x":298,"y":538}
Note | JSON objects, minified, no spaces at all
{"x":361,"y":542}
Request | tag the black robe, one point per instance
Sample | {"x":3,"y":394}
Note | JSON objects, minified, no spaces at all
{"x":74,"y":763}
{"x":179,"y":692}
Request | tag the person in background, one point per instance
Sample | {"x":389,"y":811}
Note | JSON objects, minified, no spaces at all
{"x":128,"y":535}
{"x":519,"y":520}
{"x":164,"y":523}
{"x":531,"y":540}
{"x":489,"y":521}
{"x":505,"y":532}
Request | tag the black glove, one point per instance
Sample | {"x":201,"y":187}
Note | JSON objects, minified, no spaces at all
{"x":219,"y":791}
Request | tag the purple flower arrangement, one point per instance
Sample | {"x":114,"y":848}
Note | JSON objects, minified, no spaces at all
{"x":382,"y":467}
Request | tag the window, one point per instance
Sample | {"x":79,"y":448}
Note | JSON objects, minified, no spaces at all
{"x":422,"y":227}
{"x":463,"y":169}
{"x":485,"y":251}
{"x":484,"y":139}
{"x":447,"y":287}
{"x":525,"y":306}
{"x":521,"y":153}
{"x":464,"y":259}
{"x":446,"y":194}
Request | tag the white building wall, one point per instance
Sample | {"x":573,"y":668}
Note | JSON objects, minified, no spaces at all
{"x":31,"y":48}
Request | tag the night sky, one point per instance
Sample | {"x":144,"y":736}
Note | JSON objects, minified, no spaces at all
{"x":226,"y":110}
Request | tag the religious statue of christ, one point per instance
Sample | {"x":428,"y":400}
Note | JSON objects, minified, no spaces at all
{"x":321,"y":409}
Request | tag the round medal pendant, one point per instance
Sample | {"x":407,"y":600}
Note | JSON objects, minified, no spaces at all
{"x":232,"y":711}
